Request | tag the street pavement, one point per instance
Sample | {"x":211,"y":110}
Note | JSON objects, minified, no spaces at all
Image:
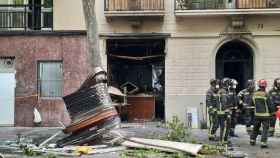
{"x":149,"y":130}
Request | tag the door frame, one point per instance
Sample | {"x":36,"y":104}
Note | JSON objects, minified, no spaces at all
{"x":14,"y":100}
{"x":257,"y":56}
{"x":235,"y":52}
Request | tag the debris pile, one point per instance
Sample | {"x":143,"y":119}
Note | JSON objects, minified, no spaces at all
{"x":93,"y":115}
{"x":128,"y":138}
{"x":91,"y":110}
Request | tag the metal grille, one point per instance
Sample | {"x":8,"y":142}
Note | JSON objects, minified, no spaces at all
{"x":133,"y":5}
{"x":225,"y":4}
{"x":88,"y":99}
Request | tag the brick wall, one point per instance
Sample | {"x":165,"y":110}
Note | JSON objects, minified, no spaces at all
{"x":28,"y":50}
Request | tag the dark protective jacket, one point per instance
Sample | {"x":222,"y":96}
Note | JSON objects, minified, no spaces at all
{"x":212,"y":99}
{"x":245,"y":98}
{"x":223,"y":106}
{"x":263,"y":106}
{"x":232,"y":99}
{"x":274,"y":96}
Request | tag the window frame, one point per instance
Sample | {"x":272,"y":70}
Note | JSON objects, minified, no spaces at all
{"x":39,"y":80}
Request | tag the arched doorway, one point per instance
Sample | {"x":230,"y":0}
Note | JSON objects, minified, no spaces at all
{"x":234,"y":59}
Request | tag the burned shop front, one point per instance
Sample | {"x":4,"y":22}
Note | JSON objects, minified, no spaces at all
{"x":137,"y":67}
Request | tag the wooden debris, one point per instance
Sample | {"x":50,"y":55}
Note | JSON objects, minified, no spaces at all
{"x":162,"y":144}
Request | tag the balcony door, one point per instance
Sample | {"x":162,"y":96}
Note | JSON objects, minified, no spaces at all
{"x":41,"y":14}
{"x":26,"y":14}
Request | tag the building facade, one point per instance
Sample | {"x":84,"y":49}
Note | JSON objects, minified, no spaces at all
{"x":204,"y":39}
{"x":166,"y":48}
{"x":40,"y":60}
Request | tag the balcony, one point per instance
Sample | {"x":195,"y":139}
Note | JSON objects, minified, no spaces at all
{"x":226,"y":7}
{"x":25,"y":17}
{"x":115,"y":8}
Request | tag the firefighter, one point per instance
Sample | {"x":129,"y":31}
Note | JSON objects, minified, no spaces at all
{"x":263,"y":109}
{"x":224,"y":115}
{"x":212,"y":102}
{"x":233,"y":103}
{"x":274,"y":96}
{"x":245,"y":98}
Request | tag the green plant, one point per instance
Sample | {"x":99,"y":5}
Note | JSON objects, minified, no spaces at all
{"x":211,"y":149}
{"x":178,"y":132}
{"x":29,"y":152}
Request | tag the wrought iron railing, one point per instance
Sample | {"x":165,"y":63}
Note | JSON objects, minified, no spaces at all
{"x":133,"y":5}
{"x":27,"y":17}
{"x":225,"y":4}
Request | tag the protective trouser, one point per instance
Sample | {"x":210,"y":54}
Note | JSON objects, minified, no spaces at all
{"x":214,"y":125}
{"x":272,"y":123}
{"x":234,"y":119}
{"x":224,"y":123}
{"x":264,"y":122}
{"x":249,"y":118}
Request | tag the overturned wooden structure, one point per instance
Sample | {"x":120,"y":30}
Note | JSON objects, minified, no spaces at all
{"x":91,"y":110}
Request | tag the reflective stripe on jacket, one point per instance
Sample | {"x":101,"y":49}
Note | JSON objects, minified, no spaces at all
{"x":261,"y":104}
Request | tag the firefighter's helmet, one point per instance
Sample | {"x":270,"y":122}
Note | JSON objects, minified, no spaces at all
{"x":233,"y":83}
{"x":212,"y":82}
{"x":276,"y":83}
{"x":225,"y":82}
{"x":262,"y":83}
{"x":251,"y":84}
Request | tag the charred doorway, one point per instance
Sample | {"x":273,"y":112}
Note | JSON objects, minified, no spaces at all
{"x":139,"y":64}
{"x":235,"y":60}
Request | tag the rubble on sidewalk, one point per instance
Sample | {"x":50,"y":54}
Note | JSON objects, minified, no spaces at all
{"x":67,"y":151}
{"x":130,"y":133}
{"x":91,"y":110}
{"x":93,"y":115}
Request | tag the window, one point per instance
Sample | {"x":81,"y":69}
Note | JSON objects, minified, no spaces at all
{"x":26,"y":14}
{"x":50,"y":79}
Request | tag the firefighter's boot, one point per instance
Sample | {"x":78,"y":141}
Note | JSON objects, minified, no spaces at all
{"x":264,"y":145}
{"x":252,"y":142}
